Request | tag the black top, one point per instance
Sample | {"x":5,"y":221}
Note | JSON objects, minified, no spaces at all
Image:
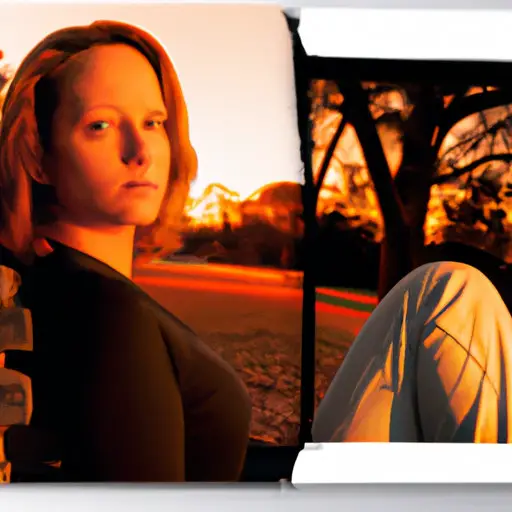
{"x":130,"y":392}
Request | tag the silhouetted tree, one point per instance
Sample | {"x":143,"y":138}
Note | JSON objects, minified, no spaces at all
{"x":424,"y":120}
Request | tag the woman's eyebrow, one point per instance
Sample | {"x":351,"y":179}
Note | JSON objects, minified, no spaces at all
{"x":158,"y":113}
{"x":104,"y":106}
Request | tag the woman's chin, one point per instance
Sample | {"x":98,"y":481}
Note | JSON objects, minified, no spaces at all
{"x":141,"y":219}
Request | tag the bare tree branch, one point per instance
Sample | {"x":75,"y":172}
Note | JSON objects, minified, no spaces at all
{"x":460,"y":171}
{"x":471,"y":142}
{"x":474,"y":139}
{"x":462,"y":107}
{"x":505,"y":138}
{"x":487,"y":132}
{"x":359,"y":116}
{"x":329,"y":153}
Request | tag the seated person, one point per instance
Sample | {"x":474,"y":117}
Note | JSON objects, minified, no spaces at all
{"x":433,"y":363}
{"x":94,"y":146}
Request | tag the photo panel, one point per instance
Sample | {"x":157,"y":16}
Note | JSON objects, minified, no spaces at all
{"x":230,"y":266}
{"x":420,"y":171}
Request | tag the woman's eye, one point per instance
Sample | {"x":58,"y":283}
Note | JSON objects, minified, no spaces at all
{"x":99,"y":126}
{"x":154,"y":123}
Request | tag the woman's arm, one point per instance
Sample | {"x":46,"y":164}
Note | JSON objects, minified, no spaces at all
{"x":120,"y":417}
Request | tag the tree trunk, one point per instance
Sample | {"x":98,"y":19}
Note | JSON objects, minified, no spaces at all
{"x":395,"y":261}
{"x":414,"y":177}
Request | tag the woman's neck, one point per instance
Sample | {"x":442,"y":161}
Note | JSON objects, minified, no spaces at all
{"x":113,"y":246}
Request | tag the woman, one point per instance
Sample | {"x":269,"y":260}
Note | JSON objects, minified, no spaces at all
{"x":94,"y":146}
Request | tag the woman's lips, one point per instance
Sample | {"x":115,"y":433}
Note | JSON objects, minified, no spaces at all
{"x":140,"y":184}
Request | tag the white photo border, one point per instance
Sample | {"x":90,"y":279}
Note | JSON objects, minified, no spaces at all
{"x":366,"y":459}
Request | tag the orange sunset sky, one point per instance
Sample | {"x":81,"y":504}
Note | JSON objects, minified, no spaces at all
{"x":236,"y":68}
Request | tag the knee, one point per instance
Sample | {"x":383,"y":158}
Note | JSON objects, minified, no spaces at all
{"x":456,"y":290}
{"x":458,"y":276}
{"x":431,"y":278}
{"x":449,"y":274}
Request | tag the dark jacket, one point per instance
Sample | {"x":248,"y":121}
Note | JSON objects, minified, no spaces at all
{"x":129,"y":391}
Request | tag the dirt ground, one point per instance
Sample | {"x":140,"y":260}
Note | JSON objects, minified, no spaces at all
{"x":261,"y":338}
{"x":268,"y":360}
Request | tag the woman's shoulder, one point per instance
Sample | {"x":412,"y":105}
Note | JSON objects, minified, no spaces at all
{"x":83,"y":292}
{"x":100,"y":315}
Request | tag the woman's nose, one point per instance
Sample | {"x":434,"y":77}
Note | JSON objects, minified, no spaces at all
{"x":135,"y":151}
{"x":139,"y":160}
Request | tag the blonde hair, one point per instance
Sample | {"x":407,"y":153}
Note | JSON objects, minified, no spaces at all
{"x":27,"y":115}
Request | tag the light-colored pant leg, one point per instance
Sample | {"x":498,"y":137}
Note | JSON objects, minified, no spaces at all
{"x":432,"y":363}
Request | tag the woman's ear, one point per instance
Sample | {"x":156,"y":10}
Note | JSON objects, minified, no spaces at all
{"x":39,"y":174}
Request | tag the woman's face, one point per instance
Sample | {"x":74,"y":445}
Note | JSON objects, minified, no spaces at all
{"x":110,"y":156}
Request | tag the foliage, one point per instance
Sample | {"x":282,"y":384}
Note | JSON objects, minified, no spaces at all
{"x":428,"y":159}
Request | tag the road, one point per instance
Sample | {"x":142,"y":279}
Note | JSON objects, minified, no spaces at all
{"x":255,"y":323}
